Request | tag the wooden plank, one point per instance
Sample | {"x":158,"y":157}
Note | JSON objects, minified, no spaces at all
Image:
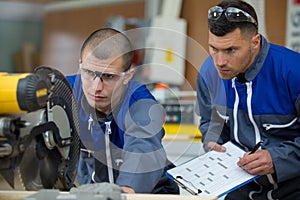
{"x":16,"y":195}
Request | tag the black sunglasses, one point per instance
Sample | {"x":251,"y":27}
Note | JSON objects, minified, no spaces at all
{"x":232,"y":14}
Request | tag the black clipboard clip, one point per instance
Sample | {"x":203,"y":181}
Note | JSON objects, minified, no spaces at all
{"x":187,"y":188}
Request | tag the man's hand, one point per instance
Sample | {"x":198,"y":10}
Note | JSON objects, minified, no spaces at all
{"x":258,"y":163}
{"x":127,"y":189}
{"x":216,"y":147}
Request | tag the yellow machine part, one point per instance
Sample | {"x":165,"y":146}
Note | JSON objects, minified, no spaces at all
{"x":183,"y":132}
{"x":8,"y":92}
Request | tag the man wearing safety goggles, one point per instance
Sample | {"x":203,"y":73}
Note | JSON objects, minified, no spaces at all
{"x":120,"y":121}
{"x":248,"y":92}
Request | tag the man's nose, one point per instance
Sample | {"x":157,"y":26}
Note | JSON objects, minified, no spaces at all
{"x":97,"y":83}
{"x":220,"y":59}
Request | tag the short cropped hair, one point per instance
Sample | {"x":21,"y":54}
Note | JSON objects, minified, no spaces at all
{"x":107,"y":42}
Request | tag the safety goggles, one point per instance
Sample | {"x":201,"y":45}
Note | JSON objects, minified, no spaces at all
{"x":232,"y":14}
{"x":105,"y":77}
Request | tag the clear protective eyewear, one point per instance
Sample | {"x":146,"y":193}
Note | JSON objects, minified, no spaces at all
{"x":232,"y":14}
{"x":105,"y":77}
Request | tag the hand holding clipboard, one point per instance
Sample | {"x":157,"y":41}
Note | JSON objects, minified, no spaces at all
{"x":213,"y":173}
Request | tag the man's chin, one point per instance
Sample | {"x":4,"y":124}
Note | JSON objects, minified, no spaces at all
{"x":226,"y":76}
{"x":93,"y":103}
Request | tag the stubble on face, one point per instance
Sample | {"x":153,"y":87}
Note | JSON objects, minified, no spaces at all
{"x":99,"y":94}
{"x":232,"y":54}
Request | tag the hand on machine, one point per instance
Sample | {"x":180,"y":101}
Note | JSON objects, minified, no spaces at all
{"x":38,"y":129}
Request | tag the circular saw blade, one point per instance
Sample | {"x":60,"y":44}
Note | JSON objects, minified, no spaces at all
{"x":38,"y":168}
{"x":42,"y":166}
{"x":29,"y":169}
{"x":48,"y":165}
{"x":51,"y":162}
{"x":63,"y":111}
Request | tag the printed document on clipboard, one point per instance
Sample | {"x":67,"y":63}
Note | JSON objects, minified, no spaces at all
{"x":213,"y":173}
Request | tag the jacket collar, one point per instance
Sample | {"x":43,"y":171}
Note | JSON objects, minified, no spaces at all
{"x":259,"y":60}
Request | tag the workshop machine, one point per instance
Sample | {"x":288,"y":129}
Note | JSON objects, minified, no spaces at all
{"x":39,"y":126}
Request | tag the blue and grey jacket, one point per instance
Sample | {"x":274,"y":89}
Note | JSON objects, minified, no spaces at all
{"x":266,"y":107}
{"x":126,"y":146}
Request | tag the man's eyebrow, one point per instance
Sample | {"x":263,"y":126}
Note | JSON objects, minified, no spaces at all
{"x":211,"y":45}
{"x":229,"y":48}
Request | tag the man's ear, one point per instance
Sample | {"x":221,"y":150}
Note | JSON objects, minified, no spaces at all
{"x":129,"y":76}
{"x":256,"y":41}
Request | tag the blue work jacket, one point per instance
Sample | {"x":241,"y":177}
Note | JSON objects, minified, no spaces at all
{"x":124,"y":148}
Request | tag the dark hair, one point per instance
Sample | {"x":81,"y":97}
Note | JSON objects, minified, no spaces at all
{"x":222,"y":26}
{"x":107,"y":42}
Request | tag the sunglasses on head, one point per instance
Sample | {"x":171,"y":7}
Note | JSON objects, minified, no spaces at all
{"x":232,"y":14}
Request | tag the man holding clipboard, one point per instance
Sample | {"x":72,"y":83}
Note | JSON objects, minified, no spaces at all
{"x":248,"y":92}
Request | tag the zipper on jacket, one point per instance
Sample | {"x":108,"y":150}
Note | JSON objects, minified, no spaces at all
{"x":90,"y":122}
{"x":90,"y":152}
{"x":270,"y":126}
{"x":235,"y":112}
{"x":250,"y":115}
{"x":224,"y":117}
{"x":108,"y":153}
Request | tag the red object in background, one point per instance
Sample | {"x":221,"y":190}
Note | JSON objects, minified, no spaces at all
{"x":138,"y":57}
{"x":296,"y":2}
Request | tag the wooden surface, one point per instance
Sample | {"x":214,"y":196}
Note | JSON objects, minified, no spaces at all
{"x":16,"y":195}
{"x":166,"y":197}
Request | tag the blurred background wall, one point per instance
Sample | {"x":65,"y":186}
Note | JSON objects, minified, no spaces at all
{"x":50,"y":33}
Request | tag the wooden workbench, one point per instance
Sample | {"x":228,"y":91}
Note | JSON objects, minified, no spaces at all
{"x":17,"y":195}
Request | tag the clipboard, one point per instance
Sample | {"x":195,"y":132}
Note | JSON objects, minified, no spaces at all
{"x":213,"y":173}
